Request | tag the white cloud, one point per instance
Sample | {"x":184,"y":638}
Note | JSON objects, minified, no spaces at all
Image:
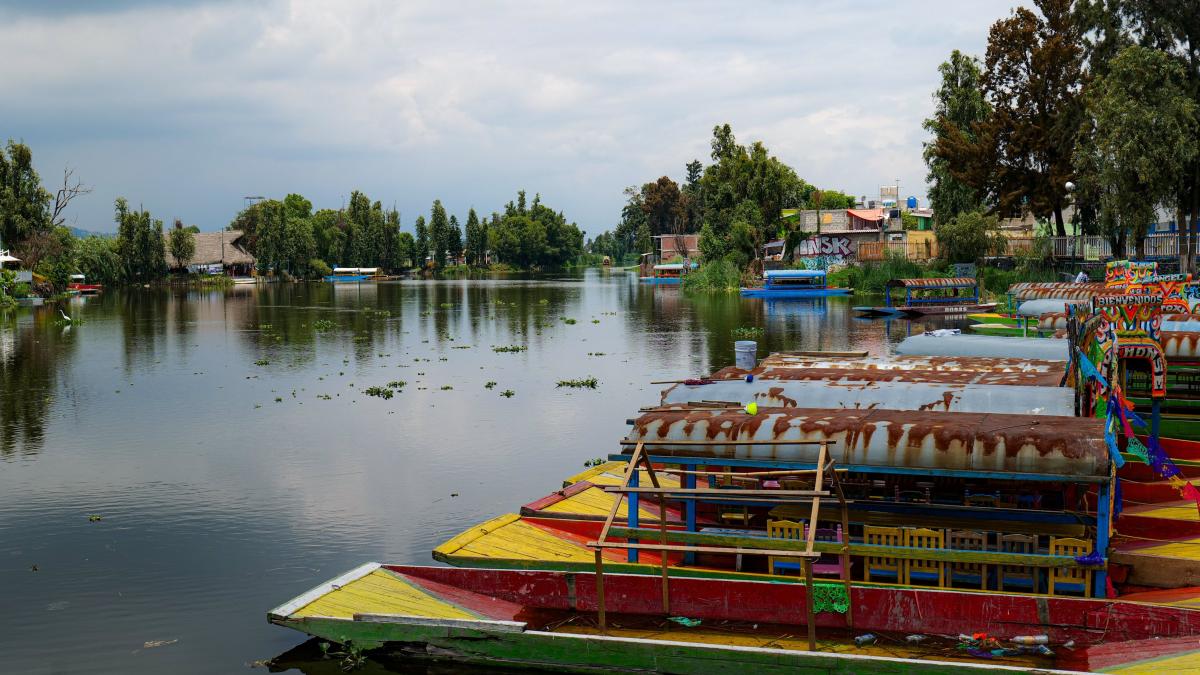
{"x":187,"y":107}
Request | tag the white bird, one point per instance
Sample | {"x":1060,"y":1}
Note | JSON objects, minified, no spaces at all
{"x":64,"y":315}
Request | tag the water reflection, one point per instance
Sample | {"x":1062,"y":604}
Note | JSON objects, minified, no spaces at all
{"x":33,"y":347}
{"x":225,"y":439}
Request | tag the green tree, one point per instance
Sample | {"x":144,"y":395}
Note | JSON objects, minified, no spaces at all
{"x":406,"y":251}
{"x":534,"y":236}
{"x":476,"y":239}
{"x":454,"y":239}
{"x":665,"y":206}
{"x":140,"y":243}
{"x":439,"y":233}
{"x":969,"y":237}
{"x":24,"y":202}
{"x":99,"y":259}
{"x":1138,"y":140}
{"x":183,"y":245}
{"x":422,"y":242}
{"x":1020,"y":158}
{"x":959,"y":108}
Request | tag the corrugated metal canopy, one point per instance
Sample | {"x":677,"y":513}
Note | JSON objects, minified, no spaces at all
{"x":1066,"y":446}
{"x":793,"y":274}
{"x":950,"y":282}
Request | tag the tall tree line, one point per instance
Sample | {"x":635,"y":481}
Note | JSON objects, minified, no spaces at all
{"x":735,"y":204}
{"x":1102,"y":94}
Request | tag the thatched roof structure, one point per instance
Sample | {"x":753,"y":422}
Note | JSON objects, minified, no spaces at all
{"x":216,"y":248}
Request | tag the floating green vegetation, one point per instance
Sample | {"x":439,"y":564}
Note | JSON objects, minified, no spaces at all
{"x":279,"y":399}
{"x":746,"y":332}
{"x":510,"y":349}
{"x":569,"y":322}
{"x":382,"y":392}
{"x":324,"y":324}
{"x":95,"y":518}
{"x":377,"y":312}
{"x":595,"y":320}
{"x":262,"y":362}
{"x":397,"y":384}
{"x":544,"y":301}
{"x":447,"y":387}
{"x":490,"y":385}
{"x":325,"y":397}
{"x":461,"y":347}
{"x":265,"y":326}
{"x":447,"y":305}
{"x":585,"y":383}
{"x":508,"y":393}
{"x":596,"y":354}
{"x":594,"y":462}
{"x":360,"y":338}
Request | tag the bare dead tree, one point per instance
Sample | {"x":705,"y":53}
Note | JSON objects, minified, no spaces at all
{"x":71,"y":188}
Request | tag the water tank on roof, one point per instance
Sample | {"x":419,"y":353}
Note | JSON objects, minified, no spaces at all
{"x":912,"y":203}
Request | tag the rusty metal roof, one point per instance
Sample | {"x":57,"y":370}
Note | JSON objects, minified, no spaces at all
{"x":950,"y":282}
{"x":1059,"y":290}
{"x":1048,"y":378}
{"x":1067,"y":446}
{"x":982,"y":364}
{"x":911,"y":393}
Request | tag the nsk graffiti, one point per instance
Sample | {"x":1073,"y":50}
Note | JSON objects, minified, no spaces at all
{"x":822,"y":245}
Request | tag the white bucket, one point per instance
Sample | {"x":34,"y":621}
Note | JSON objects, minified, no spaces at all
{"x":745,"y":354}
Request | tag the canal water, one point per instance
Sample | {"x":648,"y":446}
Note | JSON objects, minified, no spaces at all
{"x":175,"y":463}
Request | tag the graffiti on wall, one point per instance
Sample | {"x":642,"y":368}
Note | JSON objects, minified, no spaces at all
{"x":821,"y":251}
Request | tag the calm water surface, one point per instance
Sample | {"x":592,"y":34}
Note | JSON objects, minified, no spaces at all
{"x":224,"y":440}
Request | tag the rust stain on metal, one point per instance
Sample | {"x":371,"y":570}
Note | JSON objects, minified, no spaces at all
{"x":981,"y":441}
{"x":1180,"y":344}
{"x":864,"y":377}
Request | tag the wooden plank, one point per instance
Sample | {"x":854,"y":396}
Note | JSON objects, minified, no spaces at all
{"x":718,"y":492}
{"x":733,"y":543}
{"x":706,"y":549}
{"x":307,"y":597}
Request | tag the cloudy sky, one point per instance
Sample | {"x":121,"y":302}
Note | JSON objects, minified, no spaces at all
{"x":187,"y":106}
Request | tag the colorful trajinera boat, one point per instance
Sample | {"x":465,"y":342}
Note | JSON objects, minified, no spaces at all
{"x":949,"y":296}
{"x":666,"y":274}
{"x":794,"y":284}
{"x":784,"y":517}
{"x":79,"y":285}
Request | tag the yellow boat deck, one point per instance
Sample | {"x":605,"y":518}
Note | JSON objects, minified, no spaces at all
{"x":372,"y":589}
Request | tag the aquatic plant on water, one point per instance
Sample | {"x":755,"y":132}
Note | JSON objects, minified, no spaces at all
{"x":510,"y":349}
{"x":747,"y":332}
{"x":324,"y":324}
{"x":584,"y":383}
{"x":380,"y":392}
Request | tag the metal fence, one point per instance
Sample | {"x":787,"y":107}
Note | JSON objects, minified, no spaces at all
{"x":1088,"y":248}
{"x":875,"y":251}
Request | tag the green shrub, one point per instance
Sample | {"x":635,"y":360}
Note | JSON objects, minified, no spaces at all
{"x":719,"y":276}
{"x":319,"y":268}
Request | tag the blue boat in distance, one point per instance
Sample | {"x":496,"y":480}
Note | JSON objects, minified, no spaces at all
{"x":666,"y":274}
{"x":794,"y":284}
{"x":342,"y":275}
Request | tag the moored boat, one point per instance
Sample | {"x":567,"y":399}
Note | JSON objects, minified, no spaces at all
{"x":794,"y":284}
{"x":939,"y":296}
{"x":343,"y":275}
{"x":547,"y":620}
{"x":666,"y":274}
{"x":79,"y":285}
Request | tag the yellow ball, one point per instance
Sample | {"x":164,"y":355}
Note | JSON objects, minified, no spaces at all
{"x":752,"y":408}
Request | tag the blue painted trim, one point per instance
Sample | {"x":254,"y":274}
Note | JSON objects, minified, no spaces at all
{"x":793,"y":292}
{"x":862,"y":468}
{"x":689,"y":518}
{"x":634,"y":513}
{"x":1100,"y":579}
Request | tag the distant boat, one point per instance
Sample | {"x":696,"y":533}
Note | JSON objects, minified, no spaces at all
{"x":80,"y":286}
{"x":666,"y":274}
{"x":794,"y":284}
{"x":939,"y":296}
{"x":354,"y":274}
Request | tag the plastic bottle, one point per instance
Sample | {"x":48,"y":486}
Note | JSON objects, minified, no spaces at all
{"x":1031,"y":640}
